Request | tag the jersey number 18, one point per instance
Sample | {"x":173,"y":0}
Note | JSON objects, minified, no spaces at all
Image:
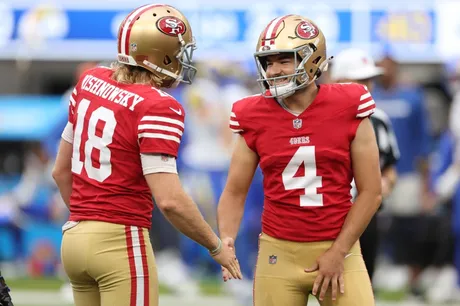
{"x":94,"y":142}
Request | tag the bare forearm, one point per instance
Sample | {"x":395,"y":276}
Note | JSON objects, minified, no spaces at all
{"x":64,"y":183}
{"x":186,"y":217}
{"x":358,"y":218}
{"x":229,"y":214}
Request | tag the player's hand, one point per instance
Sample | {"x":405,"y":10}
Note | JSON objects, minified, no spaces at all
{"x":226,"y":275}
{"x":227,"y":258}
{"x":330,"y":271}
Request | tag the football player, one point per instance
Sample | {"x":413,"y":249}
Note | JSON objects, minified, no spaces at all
{"x":5,"y":298}
{"x":310,"y":141}
{"x":118,"y":149}
{"x":355,"y":65}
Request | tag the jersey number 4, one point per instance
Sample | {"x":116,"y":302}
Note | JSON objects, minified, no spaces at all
{"x":94,"y":142}
{"x":310,"y":182}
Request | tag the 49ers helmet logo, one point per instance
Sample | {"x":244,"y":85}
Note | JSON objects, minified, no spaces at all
{"x":306,"y":30}
{"x":171,"y":26}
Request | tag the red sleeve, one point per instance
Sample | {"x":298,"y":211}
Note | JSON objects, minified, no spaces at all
{"x":362,"y":105}
{"x":72,"y":105}
{"x":160,"y":127}
{"x":234,"y":124}
{"x":240,"y":124}
{"x":365,"y":103}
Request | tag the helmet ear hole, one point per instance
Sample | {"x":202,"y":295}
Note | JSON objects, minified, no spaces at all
{"x":318,"y":73}
{"x":167,"y":60}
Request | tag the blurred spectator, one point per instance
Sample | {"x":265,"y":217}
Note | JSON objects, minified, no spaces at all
{"x":411,"y":198}
{"x":446,"y":184}
{"x":29,"y":198}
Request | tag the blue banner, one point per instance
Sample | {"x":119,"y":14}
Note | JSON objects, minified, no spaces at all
{"x":56,"y":33}
{"x":233,"y":26}
{"x":31,"y":118}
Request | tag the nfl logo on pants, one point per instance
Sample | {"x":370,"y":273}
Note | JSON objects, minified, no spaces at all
{"x":272,"y":259}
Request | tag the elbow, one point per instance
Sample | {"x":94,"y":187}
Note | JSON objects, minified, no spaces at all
{"x":168,"y":206}
{"x":61,"y":175}
{"x":57,"y":175}
{"x":378,"y":200}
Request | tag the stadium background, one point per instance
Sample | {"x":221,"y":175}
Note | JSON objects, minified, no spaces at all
{"x":44,"y":45}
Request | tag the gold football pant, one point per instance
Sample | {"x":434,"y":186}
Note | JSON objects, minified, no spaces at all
{"x":280,"y":279}
{"x":110,"y":265}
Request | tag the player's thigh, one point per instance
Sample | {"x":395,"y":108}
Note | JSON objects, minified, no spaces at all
{"x":358,"y":291}
{"x":126,"y":270}
{"x":277,"y":278}
{"x":276,"y":291}
{"x":86,"y":293}
{"x":358,"y":288}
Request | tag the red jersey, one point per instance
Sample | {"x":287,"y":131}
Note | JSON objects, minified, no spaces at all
{"x":113,"y":124}
{"x":305,"y":159}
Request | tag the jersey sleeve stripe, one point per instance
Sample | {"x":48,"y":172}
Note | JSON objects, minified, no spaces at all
{"x":159,"y":136}
{"x":163,"y":119}
{"x":235,"y":123}
{"x":365,"y":114}
{"x":160,"y":128}
{"x":72,"y":100}
{"x":74,"y":91}
{"x":365,"y":105}
{"x":232,"y":114}
{"x":365,"y":96}
{"x":236,"y":131}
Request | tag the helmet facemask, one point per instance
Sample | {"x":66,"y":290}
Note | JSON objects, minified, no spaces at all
{"x":185,"y":56}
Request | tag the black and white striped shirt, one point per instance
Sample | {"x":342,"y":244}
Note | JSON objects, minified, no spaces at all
{"x":386,"y":139}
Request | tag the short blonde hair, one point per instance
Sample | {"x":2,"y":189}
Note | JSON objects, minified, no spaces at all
{"x":134,"y":75}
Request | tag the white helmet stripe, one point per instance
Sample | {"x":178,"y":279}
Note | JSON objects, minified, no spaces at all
{"x":128,"y":24}
{"x":271,"y":28}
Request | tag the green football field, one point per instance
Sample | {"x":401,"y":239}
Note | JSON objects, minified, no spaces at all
{"x":46,"y":292}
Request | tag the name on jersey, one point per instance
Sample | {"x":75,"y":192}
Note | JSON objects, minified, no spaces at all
{"x":110,"y":92}
{"x":299,"y":140}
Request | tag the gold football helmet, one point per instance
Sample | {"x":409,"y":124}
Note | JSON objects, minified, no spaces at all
{"x":158,"y":38}
{"x":291,"y":34}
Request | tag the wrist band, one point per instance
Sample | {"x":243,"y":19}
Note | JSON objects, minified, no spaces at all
{"x":217,"y":249}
